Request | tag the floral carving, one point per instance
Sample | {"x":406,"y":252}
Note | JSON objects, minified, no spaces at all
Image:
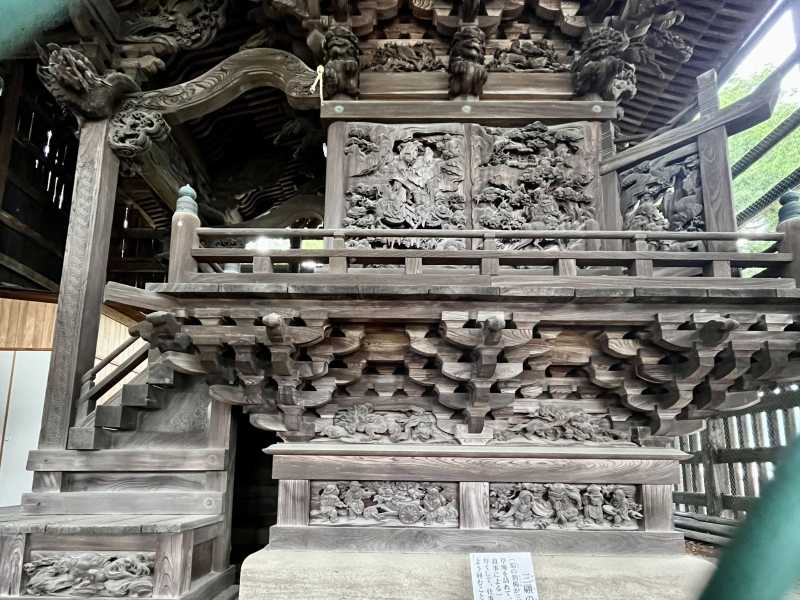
{"x":550,"y":424}
{"x":532,"y":56}
{"x":563,"y":506}
{"x":398,"y":58}
{"x":90,"y":574}
{"x":360,"y":423}
{"x":384,"y":504}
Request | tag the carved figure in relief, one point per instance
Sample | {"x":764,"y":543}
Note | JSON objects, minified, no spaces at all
{"x":554,"y":424}
{"x":664,"y":194}
{"x":563,"y":506}
{"x":532,"y":56}
{"x":623,"y":509}
{"x":361,"y":424}
{"x":398,"y":58}
{"x":341,"y":57}
{"x":414,"y":181}
{"x":600,"y":69}
{"x":172,"y":25}
{"x":466,"y":67}
{"x":385,"y":503}
{"x":329,"y":504}
{"x":90,"y":574}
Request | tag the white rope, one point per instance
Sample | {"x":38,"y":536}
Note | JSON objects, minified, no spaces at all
{"x":319,"y":80}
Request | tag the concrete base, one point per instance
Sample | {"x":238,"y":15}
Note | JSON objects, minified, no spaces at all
{"x":315,"y":575}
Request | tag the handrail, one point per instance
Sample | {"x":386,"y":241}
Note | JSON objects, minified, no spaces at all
{"x":216,"y":233}
{"x":90,"y":392}
{"x":89,"y":376}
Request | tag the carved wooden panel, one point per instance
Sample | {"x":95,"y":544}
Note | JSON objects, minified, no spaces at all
{"x":455,"y":176}
{"x":665,"y":194}
{"x":384,"y":503}
{"x":100,"y":574}
{"x":564,"y":506}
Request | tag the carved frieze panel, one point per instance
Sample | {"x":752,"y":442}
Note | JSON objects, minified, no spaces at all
{"x":664,"y":194}
{"x":532,"y":178}
{"x":361,"y":423}
{"x":405,"y":177}
{"x":529,"y":56}
{"x":563,"y":506}
{"x":384,"y":504}
{"x":467,"y":176}
{"x":89,"y":574}
{"x":398,"y":58}
{"x":550,"y":424}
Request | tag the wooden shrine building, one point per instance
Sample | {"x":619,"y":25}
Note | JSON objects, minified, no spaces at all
{"x":462,"y":270}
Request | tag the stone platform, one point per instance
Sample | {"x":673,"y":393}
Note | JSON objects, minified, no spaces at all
{"x":313,"y":575}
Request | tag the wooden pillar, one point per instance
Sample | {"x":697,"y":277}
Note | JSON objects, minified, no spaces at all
{"x":183,"y":238}
{"x":712,"y":148}
{"x":83,"y":278}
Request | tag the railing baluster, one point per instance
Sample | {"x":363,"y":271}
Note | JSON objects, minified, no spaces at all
{"x":490,"y":266}
{"x":641,"y":267}
{"x":413,"y":266}
{"x":185,"y":224}
{"x":262,"y":264}
{"x":717,"y":268}
{"x":338,"y":264}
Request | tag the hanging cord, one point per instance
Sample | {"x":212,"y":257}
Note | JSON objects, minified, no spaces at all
{"x":319,"y":80}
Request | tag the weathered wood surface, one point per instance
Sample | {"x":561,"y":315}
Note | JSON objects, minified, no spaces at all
{"x":210,"y":459}
{"x":82,"y":280}
{"x":365,"y":539}
{"x":473,"y":505}
{"x":123,"y":502}
{"x":173,"y":571}
{"x":421,"y":468}
{"x":333,"y":449}
{"x":657,"y":504}
{"x":494,"y":112}
{"x":294,"y":497}
{"x":104,"y":524}
{"x":12,"y":557}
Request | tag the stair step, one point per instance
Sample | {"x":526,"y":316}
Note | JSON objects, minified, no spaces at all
{"x":141,"y":396}
{"x":88,"y":438}
{"x":116,"y":417}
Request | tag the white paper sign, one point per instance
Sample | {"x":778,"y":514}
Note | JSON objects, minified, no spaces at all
{"x":503,"y":576}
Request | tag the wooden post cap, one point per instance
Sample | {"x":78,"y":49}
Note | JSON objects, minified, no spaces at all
{"x":790,"y":207}
{"x":187,"y":200}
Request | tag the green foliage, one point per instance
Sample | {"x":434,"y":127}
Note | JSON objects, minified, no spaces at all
{"x":776,"y":164}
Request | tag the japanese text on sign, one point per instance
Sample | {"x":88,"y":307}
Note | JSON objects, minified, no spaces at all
{"x":503,"y":576}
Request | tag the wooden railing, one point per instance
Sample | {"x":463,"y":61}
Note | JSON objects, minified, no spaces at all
{"x":92,"y":391}
{"x":194,"y":253}
{"x":732,"y":460}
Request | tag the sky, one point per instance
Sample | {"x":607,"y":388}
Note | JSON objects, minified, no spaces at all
{"x":774,"y":47}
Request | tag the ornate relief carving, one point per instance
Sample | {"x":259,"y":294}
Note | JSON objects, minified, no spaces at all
{"x":171,"y":25}
{"x":90,"y":574}
{"x":133,"y":132}
{"x":466,"y":67}
{"x":77,"y":85}
{"x":531,"y":56}
{"x":551,"y":424}
{"x":409,"y":177}
{"x":600,"y":67}
{"x":531,"y":178}
{"x":563,"y":506}
{"x":341,"y":57}
{"x":361,"y":423}
{"x":664,"y":194}
{"x":397,"y":58}
{"x":384,"y":504}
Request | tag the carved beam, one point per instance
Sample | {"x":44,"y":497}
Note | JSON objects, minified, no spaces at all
{"x":234,"y":76}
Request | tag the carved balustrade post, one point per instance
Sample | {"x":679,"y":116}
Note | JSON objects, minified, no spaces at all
{"x":184,"y":237}
{"x":789,"y":225}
